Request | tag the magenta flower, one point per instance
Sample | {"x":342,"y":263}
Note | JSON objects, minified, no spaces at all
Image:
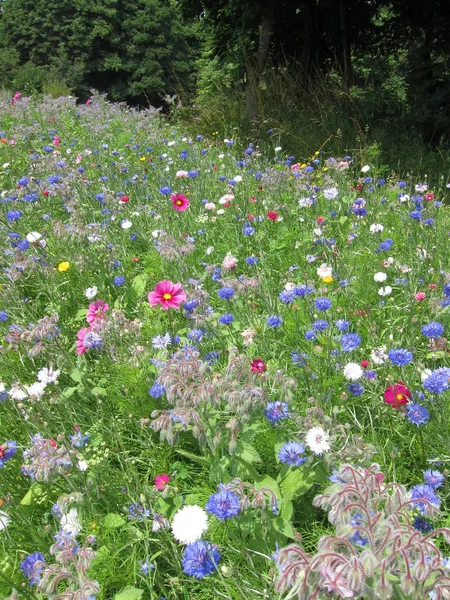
{"x":96,"y":311}
{"x":81,"y":348}
{"x":168,"y":294}
{"x":179,"y":202}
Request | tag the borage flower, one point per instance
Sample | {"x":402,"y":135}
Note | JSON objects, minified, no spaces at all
{"x":168,"y":294}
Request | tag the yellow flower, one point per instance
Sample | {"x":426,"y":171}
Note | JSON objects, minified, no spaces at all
{"x":143,"y":158}
{"x":328,"y":279}
{"x":325,"y":169}
{"x":63,"y":266}
{"x":303,"y":166}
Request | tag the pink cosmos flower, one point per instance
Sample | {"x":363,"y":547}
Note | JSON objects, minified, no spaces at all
{"x":420,"y":296}
{"x":258,"y":366}
{"x":161,"y":481}
{"x":81,"y":348}
{"x":56,"y":140}
{"x":168,"y":294}
{"x":96,"y":311}
{"x":179,"y":202}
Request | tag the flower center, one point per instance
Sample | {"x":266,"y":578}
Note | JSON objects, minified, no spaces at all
{"x":399,"y":396}
{"x":179,"y":203}
{"x":167,"y":296}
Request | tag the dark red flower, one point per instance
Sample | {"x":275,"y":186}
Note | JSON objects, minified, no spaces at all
{"x":364,"y":364}
{"x":124,"y":199}
{"x":258,"y":365}
{"x":272,"y":215}
{"x":46,"y":192}
{"x":397,"y":395}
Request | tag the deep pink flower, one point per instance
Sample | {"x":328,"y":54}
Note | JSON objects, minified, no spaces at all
{"x":161,"y":481}
{"x":420,"y":296}
{"x":96,"y":311}
{"x":397,"y":395}
{"x":168,"y":294}
{"x":258,"y":365}
{"x":179,"y":202}
{"x":81,"y":348}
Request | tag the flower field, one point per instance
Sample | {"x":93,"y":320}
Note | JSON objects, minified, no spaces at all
{"x":224,"y":370}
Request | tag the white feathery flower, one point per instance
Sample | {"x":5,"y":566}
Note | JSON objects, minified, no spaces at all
{"x":379,"y":356}
{"x":36,"y":390}
{"x":353,"y":371}
{"x":16,"y":392}
{"x":48,"y":375}
{"x":317,"y":440}
{"x":5,"y":520}
{"x":385,"y":291}
{"x":425,"y":374}
{"x":324,"y":270}
{"x":91,"y":292}
{"x":189,"y":524}
{"x":70,"y":523}
{"x":365,"y":169}
{"x":376,"y":228}
{"x":380,"y":277}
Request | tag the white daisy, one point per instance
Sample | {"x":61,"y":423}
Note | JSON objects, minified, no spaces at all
{"x":91,"y":292}
{"x":380,"y":277}
{"x":48,"y":375}
{"x":353,"y":371}
{"x":385,"y":291}
{"x":317,"y":440}
{"x":189,"y":524}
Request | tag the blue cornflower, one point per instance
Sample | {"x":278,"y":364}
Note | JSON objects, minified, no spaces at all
{"x":13,"y":215}
{"x":446,"y":290}
{"x":302,"y":290}
{"x":275,"y":411}
{"x":32,"y":567}
{"x":342,"y":325}
{"x":292,"y":454}
{"x":320,"y":325}
{"x":119,"y":280}
{"x":23,"y":245}
{"x":226,"y":293}
{"x":438,"y":381}
{"x":416,"y":215}
{"x":3,"y":316}
{"x":428,"y":222}
{"x":252,"y":260}
{"x":400,"y":357}
{"x":23,"y":181}
{"x":433,"y":329}
{"x":310,"y":335}
{"x":287,"y":296}
{"x":216,"y":274}
{"x":160,"y":342}
{"x":200,"y":559}
{"x":421,"y":524}
{"x":224,"y":504}
{"x":212,"y":357}
{"x":424,"y":492}
{"x":226,"y":319}
{"x":157,"y":390}
{"x":350,"y":341}
{"x":435,"y":479}
{"x":323,"y":303}
{"x":136,"y":512}
{"x":165,"y":190}
{"x":48,"y":149}
{"x":356,"y":389}
{"x":274,"y":321}
{"x":248,"y":229}
{"x":344,"y":283}
{"x":385,"y":245}
{"x":370,"y":375}
{"x":7,"y":451}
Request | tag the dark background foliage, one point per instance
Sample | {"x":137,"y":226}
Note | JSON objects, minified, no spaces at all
{"x":354,"y":72}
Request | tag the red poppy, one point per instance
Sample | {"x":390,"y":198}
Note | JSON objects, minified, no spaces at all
{"x":258,"y":365}
{"x":272,"y":215}
{"x":124,"y":199}
{"x":46,"y":192}
{"x":397,"y":395}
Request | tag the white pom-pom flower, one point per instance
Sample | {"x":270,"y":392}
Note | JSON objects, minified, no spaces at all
{"x":189,"y":524}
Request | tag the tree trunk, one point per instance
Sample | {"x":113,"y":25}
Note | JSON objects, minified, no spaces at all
{"x":255,"y":69}
{"x":346,"y":58}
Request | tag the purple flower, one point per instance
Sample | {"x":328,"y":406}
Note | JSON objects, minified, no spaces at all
{"x":226,"y":319}
{"x":323,"y":303}
{"x":7,"y":451}
{"x":433,"y":329}
{"x":418,"y":414}
{"x":438,"y":381}
{"x":291,"y":454}
{"x":275,"y":411}
{"x":400,"y":357}
{"x":32,"y":566}
{"x":424,"y":492}
{"x":350,"y":341}
{"x":200,"y":559}
{"x":435,"y":479}
{"x":226,"y":293}
{"x":274,"y":321}
{"x":225,"y":504}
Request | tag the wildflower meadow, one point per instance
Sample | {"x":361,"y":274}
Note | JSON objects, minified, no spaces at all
{"x":224,"y":370}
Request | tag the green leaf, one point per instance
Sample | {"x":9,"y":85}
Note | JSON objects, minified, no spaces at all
{"x":139,"y":284}
{"x":201,"y":460}
{"x":113,"y":521}
{"x":297,"y":482}
{"x":284,"y":527}
{"x":438,"y":354}
{"x":81,"y":314}
{"x":70,"y":391}
{"x":286,"y":510}
{"x":247,"y":453}
{"x":130,"y":593}
{"x":99,"y":391}
{"x":343,"y":220}
{"x":76,"y":375}
{"x":268,"y":482}
{"x":33,"y":493}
